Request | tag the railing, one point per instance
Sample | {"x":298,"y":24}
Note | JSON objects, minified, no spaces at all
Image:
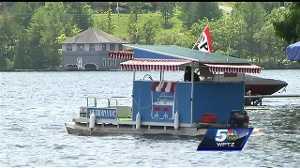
{"x":112,"y":109}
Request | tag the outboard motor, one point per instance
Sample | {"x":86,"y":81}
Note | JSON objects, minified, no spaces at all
{"x":239,"y":119}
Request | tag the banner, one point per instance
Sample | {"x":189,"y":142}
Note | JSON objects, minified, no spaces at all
{"x":163,"y":99}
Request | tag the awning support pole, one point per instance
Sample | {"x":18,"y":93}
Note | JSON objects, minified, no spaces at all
{"x":132,"y":96}
{"x":192,"y":90}
{"x":161,"y":75}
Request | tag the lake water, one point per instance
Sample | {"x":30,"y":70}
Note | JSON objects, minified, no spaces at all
{"x":35,"y":105}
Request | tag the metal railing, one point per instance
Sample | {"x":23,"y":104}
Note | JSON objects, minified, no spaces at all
{"x":121,"y":104}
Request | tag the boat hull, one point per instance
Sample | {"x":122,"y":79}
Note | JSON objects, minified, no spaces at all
{"x":258,"y":85}
{"x":260,"y":89}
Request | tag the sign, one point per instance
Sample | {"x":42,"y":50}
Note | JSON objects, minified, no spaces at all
{"x":163,"y":101}
{"x":229,"y":139}
{"x":103,"y":113}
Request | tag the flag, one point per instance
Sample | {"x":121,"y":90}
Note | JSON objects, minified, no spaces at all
{"x":204,"y":42}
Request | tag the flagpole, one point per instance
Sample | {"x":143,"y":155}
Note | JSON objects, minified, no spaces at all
{"x":195,"y":43}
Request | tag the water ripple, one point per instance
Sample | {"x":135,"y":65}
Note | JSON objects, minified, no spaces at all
{"x":35,"y":105}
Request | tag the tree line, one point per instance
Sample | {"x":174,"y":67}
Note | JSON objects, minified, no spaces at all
{"x":31,"y":33}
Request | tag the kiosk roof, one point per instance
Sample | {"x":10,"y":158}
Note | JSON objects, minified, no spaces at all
{"x":169,"y":51}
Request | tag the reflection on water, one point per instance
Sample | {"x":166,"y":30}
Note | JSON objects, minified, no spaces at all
{"x":35,"y":105}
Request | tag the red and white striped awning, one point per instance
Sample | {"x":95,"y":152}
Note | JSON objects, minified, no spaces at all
{"x":153,"y":64}
{"x":124,"y":55}
{"x":164,"y":86}
{"x":233,"y":68}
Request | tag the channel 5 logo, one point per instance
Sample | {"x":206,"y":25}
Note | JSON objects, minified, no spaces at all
{"x":230,"y":139}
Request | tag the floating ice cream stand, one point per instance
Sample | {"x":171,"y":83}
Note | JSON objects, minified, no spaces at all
{"x":170,"y":107}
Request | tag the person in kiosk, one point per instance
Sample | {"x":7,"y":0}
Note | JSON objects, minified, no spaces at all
{"x":187,"y":74}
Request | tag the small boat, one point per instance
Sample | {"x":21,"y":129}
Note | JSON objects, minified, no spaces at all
{"x":263,"y":86}
{"x":257,"y":85}
{"x":254,"y":85}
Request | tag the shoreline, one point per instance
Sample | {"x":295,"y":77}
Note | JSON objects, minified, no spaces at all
{"x":114,"y":70}
{"x":265,"y":66}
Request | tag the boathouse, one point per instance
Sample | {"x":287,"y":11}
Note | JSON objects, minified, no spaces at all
{"x":89,"y":50}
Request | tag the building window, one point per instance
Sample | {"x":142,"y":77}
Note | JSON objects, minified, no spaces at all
{"x":112,"y":47}
{"x":92,"y":47}
{"x":120,"y":47}
{"x":80,"y":47}
{"x":69,"y":47}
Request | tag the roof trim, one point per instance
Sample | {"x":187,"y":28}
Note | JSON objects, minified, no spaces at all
{"x":159,"y":52}
{"x":154,"y":64}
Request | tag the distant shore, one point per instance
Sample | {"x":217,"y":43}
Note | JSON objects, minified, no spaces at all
{"x":293,"y":65}
{"x":265,"y":66}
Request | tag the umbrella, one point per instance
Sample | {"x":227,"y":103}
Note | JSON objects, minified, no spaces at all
{"x":293,"y":51}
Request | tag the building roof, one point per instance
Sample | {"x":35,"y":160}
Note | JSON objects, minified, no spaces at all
{"x":169,"y":51}
{"x":93,"y":36}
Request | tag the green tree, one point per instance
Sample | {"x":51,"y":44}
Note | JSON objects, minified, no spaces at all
{"x":166,"y":10}
{"x":133,"y":28}
{"x":22,"y":60}
{"x":252,"y":22}
{"x":3,"y":63}
{"x":110,"y":25}
{"x":135,"y":10}
{"x":166,"y":37}
{"x":192,"y":12}
{"x":272,"y":45}
{"x":23,"y":12}
{"x":105,"y":24}
{"x":269,"y":6}
{"x":9,"y":31}
{"x":148,"y":31}
{"x":47,"y":25}
{"x":174,"y":37}
{"x":82,"y":14}
{"x":288,"y":28}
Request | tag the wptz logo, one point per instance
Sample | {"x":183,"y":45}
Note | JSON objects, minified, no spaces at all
{"x":226,"y":137}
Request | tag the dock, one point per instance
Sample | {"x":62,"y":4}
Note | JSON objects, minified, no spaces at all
{"x":80,"y":126}
{"x":256,"y":100}
{"x":273,"y":96}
